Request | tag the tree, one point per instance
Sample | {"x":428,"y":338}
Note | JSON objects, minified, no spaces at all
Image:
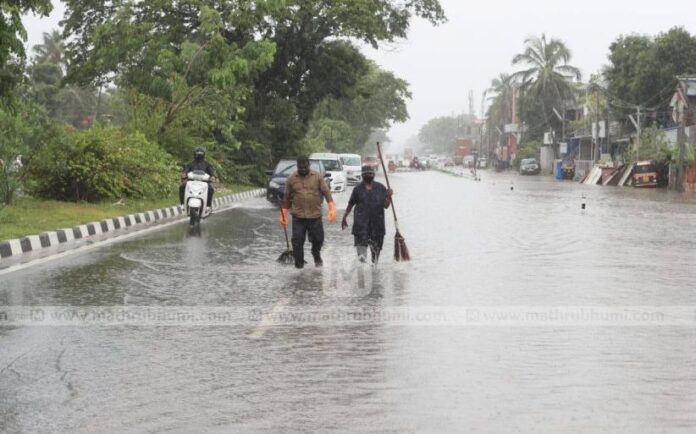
{"x":643,"y":71}
{"x":12,"y":37}
{"x":305,"y":33}
{"x":548,"y":77}
{"x":377,"y":100}
{"x":184,"y":61}
{"x":51,"y":50}
{"x":68,"y":103}
{"x":440,"y":134}
{"x":500,"y":96}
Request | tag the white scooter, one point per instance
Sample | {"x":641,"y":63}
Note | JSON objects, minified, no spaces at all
{"x":196,"y":197}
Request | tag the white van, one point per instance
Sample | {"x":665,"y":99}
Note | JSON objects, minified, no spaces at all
{"x":334,"y":167}
{"x":352,"y":165}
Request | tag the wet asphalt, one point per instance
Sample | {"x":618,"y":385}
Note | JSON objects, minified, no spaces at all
{"x":507,"y":241}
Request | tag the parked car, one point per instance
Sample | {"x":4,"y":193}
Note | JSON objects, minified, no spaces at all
{"x":334,"y":167}
{"x":529,"y":166}
{"x":284,"y":168}
{"x":352,"y":165}
{"x":483,"y":163}
{"x":372,"y":161}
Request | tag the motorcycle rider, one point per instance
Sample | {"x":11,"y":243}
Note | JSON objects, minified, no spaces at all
{"x":198,"y":163}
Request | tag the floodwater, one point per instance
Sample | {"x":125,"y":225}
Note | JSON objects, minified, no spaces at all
{"x":506,"y":242}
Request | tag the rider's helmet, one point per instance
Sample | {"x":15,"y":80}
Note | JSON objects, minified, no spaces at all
{"x":199,"y":154}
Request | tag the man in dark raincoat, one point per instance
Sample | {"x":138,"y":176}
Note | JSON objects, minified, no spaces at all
{"x":370,"y":199}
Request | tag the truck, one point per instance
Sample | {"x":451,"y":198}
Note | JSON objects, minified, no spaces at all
{"x":463,"y":149}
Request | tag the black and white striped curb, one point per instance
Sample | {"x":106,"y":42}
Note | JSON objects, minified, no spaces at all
{"x":33,"y":243}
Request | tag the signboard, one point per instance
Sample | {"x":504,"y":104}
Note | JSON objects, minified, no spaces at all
{"x":511,"y":128}
{"x":548,"y":138}
{"x":602,"y":130}
{"x":564,"y":148}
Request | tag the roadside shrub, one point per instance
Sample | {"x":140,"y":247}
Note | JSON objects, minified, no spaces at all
{"x":24,"y":128}
{"x":653,"y":146}
{"x":103,"y":163}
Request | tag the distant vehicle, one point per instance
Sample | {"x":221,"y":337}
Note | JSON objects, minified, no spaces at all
{"x":529,"y":166}
{"x":408,"y":154}
{"x":352,"y":165}
{"x":417,"y":164}
{"x":483,"y":163}
{"x":464,"y":147}
{"x":284,"y":168}
{"x":645,"y":174}
{"x":468,"y":161}
{"x":372,"y":161}
{"x":334,"y":167}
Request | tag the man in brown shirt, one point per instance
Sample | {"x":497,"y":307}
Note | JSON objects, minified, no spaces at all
{"x":304,"y":190}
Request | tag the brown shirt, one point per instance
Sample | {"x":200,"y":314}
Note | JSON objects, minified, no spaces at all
{"x":304,"y":194}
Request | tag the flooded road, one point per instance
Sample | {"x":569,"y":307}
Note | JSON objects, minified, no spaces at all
{"x":503,"y":243}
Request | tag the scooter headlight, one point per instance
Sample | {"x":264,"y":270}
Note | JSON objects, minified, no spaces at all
{"x":273,"y":184}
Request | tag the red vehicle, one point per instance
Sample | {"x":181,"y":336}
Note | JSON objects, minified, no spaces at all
{"x":371,"y":161}
{"x":464,"y":147}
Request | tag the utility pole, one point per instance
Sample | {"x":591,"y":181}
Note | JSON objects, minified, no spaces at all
{"x":636,"y":123}
{"x":681,"y":105}
{"x":640,"y":131}
{"x":607,"y":131}
{"x":596,"y":155}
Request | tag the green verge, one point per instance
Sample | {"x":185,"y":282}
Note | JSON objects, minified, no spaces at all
{"x":30,"y":216}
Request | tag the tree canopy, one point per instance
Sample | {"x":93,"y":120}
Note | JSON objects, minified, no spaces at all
{"x":643,"y":70}
{"x":12,"y":37}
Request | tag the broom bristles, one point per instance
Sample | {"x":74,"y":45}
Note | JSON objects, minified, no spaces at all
{"x":401,"y":252}
{"x":286,"y":257}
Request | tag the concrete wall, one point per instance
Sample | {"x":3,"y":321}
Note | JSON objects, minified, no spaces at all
{"x":546,"y":159}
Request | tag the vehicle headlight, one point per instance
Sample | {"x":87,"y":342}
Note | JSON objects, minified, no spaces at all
{"x":273,"y":184}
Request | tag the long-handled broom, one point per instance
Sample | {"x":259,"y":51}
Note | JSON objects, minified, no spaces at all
{"x":400,"y":250}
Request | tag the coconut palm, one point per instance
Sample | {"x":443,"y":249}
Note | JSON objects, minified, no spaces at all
{"x":500,"y":96}
{"x":52,"y":50}
{"x":548,"y":76}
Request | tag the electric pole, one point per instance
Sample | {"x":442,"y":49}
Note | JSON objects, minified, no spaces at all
{"x":681,"y":105}
{"x":636,"y":123}
{"x":607,"y":131}
{"x":596,"y":156}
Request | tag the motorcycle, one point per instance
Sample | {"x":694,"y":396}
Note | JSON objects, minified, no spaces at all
{"x":196,"y":197}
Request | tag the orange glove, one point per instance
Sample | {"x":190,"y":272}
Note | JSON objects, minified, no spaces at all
{"x":332,"y":212}
{"x":283,"y":220}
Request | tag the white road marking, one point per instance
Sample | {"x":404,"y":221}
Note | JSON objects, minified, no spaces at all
{"x":267,"y":321}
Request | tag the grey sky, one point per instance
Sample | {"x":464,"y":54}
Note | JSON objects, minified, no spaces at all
{"x":478,"y":42}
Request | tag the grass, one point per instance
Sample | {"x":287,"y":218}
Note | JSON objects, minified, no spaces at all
{"x":30,"y":216}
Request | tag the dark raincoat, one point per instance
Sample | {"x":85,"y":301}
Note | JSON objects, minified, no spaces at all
{"x":368,"y":219}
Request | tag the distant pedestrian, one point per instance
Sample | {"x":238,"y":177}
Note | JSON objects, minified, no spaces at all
{"x":304,"y":190}
{"x":370,"y":199}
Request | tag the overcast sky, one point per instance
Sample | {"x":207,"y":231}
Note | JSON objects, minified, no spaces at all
{"x":478,"y":42}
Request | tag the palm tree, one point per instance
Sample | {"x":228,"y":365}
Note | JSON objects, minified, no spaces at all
{"x":500,"y":95}
{"x":548,"y":76}
{"x":52,"y":50}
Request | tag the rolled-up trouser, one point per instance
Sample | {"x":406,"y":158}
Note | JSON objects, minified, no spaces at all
{"x":182,"y":193}
{"x":303,"y":229}
{"x":374,"y":243}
